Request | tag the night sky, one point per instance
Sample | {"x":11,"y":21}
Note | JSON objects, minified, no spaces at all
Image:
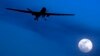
{"x":20,"y":35}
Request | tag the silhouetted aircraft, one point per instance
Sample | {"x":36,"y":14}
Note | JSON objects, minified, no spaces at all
{"x":42,"y":13}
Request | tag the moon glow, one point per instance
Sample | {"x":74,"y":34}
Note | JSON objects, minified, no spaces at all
{"x":85,"y":45}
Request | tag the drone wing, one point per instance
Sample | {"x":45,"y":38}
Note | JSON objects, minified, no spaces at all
{"x":25,"y":11}
{"x":57,"y":14}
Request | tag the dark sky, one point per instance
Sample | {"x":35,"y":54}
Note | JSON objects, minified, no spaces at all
{"x":20,"y":35}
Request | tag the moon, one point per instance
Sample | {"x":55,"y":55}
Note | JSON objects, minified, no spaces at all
{"x":85,"y":45}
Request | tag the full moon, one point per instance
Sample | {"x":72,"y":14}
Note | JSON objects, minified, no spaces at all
{"x":85,"y":45}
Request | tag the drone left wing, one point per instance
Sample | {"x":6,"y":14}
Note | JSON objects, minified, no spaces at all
{"x":19,"y":10}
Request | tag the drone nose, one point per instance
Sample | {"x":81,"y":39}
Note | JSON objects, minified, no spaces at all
{"x":44,"y":7}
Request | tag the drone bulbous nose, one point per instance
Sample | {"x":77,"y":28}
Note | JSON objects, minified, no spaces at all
{"x":48,"y":15}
